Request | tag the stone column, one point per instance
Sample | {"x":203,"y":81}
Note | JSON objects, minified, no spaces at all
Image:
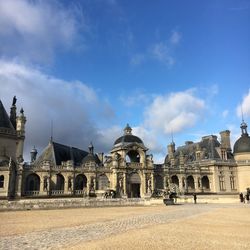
{"x":153,"y":182}
{"x":125,"y":185}
{"x":19,"y":184}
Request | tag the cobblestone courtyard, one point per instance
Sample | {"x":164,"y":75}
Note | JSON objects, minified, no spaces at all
{"x":201,"y":226}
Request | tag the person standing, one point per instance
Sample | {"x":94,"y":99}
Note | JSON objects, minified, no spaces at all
{"x":247,"y":198}
{"x":195,"y":198}
{"x":241,"y":197}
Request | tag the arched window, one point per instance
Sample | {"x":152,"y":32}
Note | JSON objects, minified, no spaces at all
{"x":205,"y":182}
{"x":1,"y":181}
{"x":132,"y":156}
{"x":59,"y":182}
{"x":175,"y":180}
{"x":190,"y":182}
{"x":32,"y":183}
{"x":80,"y":182}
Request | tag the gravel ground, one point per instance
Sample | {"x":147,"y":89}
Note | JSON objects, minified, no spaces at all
{"x":133,"y":227}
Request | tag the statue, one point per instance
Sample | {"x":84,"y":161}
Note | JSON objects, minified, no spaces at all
{"x":45,"y":184}
{"x":70,"y":184}
{"x":121,"y":185}
{"x":149,"y":185}
{"x":14,"y":101}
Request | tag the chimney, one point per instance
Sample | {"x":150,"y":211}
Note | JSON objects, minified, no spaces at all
{"x":225,"y":140}
{"x":171,"y":149}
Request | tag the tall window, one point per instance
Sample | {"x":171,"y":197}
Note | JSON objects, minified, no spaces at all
{"x":1,"y":181}
{"x":223,"y":154}
{"x":222,"y":183}
{"x":232,"y":182}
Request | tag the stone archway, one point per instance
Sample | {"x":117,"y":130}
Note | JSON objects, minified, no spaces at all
{"x":59,"y":182}
{"x":134,"y":186}
{"x":132,"y":156}
{"x":175,"y":180}
{"x":80,"y":182}
{"x":159,"y":182}
{"x":32,"y":184}
{"x":190,"y":183}
{"x":205,"y":182}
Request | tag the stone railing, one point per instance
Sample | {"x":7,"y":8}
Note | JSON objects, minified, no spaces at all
{"x":134,"y":164}
{"x":57,"y":192}
{"x":31,"y":193}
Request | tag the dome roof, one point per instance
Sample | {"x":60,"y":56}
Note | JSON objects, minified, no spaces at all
{"x":128,"y":137}
{"x":242,"y":145}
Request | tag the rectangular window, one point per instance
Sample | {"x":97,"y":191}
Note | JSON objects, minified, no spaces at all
{"x":222,"y":183}
{"x":232,"y":182}
{"x":1,"y":181}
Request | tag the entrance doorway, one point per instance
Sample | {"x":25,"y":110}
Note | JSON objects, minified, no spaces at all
{"x":135,"y":190}
{"x":134,"y":186}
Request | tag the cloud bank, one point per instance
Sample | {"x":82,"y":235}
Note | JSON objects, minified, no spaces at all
{"x":174,"y":112}
{"x":40,"y":27}
{"x":74,"y":107}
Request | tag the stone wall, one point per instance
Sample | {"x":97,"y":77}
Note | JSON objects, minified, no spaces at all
{"x":36,"y":204}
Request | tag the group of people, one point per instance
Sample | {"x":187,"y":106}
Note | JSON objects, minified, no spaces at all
{"x":245,"y":198}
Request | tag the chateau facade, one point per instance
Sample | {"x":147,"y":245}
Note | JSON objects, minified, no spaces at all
{"x":207,"y":167}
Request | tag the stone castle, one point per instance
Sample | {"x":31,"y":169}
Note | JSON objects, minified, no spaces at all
{"x":206,"y":167}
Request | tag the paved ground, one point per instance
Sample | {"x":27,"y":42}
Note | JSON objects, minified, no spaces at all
{"x":201,"y":226}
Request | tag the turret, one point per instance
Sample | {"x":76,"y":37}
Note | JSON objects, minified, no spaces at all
{"x":33,"y":154}
{"x":171,"y":149}
{"x":20,"y":128}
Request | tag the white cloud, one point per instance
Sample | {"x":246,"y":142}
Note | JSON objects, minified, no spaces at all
{"x":74,"y":107}
{"x":149,"y":138}
{"x":175,"y":37}
{"x":161,"y":52}
{"x":174,"y":112}
{"x":33,"y":30}
{"x":244,"y":107}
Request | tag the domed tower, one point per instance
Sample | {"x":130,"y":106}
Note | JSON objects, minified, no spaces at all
{"x":242,"y":157}
{"x":132,"y":167}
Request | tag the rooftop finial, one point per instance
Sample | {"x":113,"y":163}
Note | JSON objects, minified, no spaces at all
{"x":14,"y":101}
{"x":127,"y":130}
{"x":242,"y":113}
{"x":91,"y":148}
{"x":51,"y":131}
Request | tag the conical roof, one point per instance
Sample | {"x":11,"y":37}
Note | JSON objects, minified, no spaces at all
{"x":4,"y":118}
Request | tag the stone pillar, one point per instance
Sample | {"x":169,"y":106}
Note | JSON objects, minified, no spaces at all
{"x":153,"y":182}
{"x":196,"y":184}
{"x":125,"y":185}
{"x":19,"y":184}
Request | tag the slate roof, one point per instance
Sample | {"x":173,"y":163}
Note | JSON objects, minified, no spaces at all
{"x":208,"y":145}
{"x":128,"y":139}
{"x":242,"y":145}
{"x":58,"y":153}
{"x":4,"y":118}
{"x":91,"y":158}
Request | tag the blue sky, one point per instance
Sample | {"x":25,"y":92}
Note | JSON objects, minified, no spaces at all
{"x":92,"y":66}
